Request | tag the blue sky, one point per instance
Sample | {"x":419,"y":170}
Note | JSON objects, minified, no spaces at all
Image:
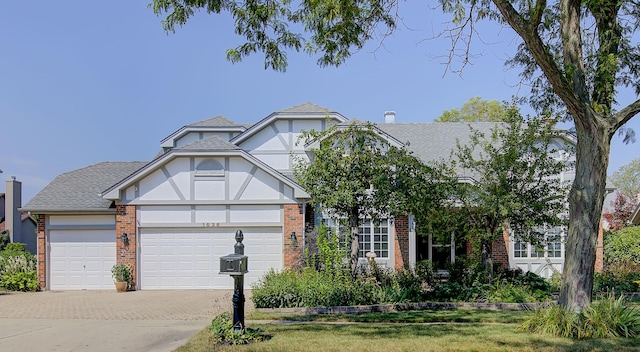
{"x":86,"y":81}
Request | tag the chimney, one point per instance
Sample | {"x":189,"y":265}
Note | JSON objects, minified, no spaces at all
{"x":13,"y":201}
{"x":389,"y":117}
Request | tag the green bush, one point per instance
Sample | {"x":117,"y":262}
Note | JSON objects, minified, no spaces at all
{"x":554,"y":320}
{"x":507,"y":292}
{"x":616,"y":281}
{"x":310,"y":288}
{"x":18,"y":269}
{"x":604,"y":318}
{"x":609,"y":317}
{"x":622,"y":250}
{"x":222,"y":332}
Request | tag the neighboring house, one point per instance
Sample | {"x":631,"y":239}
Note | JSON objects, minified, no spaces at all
{"x":18,"y":226}
{"x":173,"y":217}
{"x":635,"y":218}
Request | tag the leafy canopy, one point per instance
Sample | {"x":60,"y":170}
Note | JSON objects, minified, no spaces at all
{"x":355,"y":174}
{"x":475,"y":109}
{"x":627,"y":179}
{"x":332,"y":28}
{"x":514,"y":179}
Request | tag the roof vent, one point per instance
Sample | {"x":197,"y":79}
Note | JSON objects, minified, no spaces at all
{"x":389,"y":116}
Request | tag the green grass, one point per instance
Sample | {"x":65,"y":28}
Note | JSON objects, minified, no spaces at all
{"x":462,"y":330}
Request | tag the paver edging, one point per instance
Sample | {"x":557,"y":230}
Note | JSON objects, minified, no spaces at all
{"x":398,"y":307}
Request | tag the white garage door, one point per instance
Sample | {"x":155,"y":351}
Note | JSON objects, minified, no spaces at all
{"x":82,"y":260}
{"x":190,"y":259}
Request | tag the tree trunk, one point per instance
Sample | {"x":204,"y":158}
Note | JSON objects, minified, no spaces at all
{"x":355,"y":242}
{"x":487,"y":258}
{"x":585,"y":209}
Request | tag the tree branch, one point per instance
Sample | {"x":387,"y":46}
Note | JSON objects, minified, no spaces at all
{"x":625,"y":115}
{"x":542,"y":56}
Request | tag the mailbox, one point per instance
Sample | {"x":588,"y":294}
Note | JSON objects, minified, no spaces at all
{"x":233,"y":264}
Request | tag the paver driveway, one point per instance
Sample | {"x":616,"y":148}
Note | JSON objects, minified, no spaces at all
{"x":106,"y":320}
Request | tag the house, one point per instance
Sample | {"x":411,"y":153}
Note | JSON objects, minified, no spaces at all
{"x":172,"y":218}
{"x":17,"y":226}
{"x":635,"y":218}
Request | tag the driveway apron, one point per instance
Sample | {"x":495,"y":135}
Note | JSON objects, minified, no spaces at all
{"x":106,"y":320}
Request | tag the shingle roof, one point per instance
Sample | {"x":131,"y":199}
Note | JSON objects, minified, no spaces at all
{"x":79,"y":190}
{"x":217,"y":121}
{"x":306,"y":107}
{"x":434,"y":141}
{"x":207,"y":144}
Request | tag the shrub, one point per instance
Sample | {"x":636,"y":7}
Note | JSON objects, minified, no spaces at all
{"x":310,"y":288}
{"x":554,"y":320}
{"x":622,"y":250}
{"x":616,"y":281}
{"x":18,"y":269}
{"x":604,"y":318}
{"x":507,"y":292}
{"x":222,"y":332}
{"x":609,"y":317}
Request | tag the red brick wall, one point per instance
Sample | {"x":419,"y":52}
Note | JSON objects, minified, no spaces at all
{"x":600,"y":250}
{"x":500,"y":250}
{"x":293,"y":222}
{"x":401,"y":242}
{"x":41,"y":254}
{"x":126,"y":223}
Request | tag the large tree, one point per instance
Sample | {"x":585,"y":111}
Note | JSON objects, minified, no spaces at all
{"x":576,"y":55}
{"x":354,"y":174}
{"x":515,"y":181}
{"x":475,"y":109}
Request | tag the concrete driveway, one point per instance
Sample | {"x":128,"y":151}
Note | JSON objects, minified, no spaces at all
{"x":106,"y":320}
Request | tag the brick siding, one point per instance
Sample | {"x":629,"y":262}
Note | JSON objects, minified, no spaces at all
{"x":500,"y":250}
{"x":41,"y":254}
{"x":401,"y":242}
{"x":126,"y":223}
{"x":599,"y":251}
{"x":293,"y":222}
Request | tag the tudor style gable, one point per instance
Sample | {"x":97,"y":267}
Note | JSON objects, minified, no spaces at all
{"x":275,"y":139}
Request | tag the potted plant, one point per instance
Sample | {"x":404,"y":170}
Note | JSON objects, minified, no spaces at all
{"x":122,"y":276}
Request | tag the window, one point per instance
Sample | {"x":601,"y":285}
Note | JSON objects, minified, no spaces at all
{"x":374,"y":237}
{"x":554,"y":249}
{"x":537,"y":251}
{"x":520,"y":249}
{"x":549,"y":247}
{"x":554,"y":243}
{"x":209,"y":167}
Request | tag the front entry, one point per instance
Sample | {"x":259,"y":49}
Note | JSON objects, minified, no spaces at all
{"x":441,"y":253}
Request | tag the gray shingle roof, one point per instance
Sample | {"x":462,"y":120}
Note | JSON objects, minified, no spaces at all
{"x":307,"y":107}
{"x":79,"y":190}
{"x":217,"y":121}
{"x":434,"y":141}
{"x":208,"y":144}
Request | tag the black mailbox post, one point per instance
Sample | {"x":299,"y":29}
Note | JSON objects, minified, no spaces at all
{"x":235,"y":264}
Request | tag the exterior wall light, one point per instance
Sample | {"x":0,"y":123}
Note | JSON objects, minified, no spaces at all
{"x":124,"y":238}
{"x":294,"y":239}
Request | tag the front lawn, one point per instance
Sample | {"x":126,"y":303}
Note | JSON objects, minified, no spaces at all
{"x":456,"y":330}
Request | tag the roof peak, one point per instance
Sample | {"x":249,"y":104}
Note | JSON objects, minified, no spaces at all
{"x":306,"y":107}
{"x":216,"y":121}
